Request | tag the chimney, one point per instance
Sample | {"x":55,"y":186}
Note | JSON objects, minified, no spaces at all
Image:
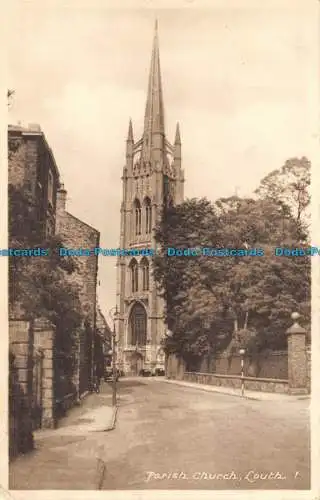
{"x":34,"y":127}
{"x":61,"y":198}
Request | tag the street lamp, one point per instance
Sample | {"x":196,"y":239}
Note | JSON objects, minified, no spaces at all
{"x":295,"y":316}
{"x":242,"y":353}
{"x":113,"y":314}
{"x":168,"y":360}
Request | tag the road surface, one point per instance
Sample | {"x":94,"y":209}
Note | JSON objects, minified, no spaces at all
{"x":173,"y":437}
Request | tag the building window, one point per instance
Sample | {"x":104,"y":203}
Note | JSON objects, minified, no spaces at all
{"x":148,"y":215}
{"x":50,"y":187}
{"x":138,"y":325}
{"x":166,"y":185}
{"x":168,"y":191}
{"x":134,"y":270}
{"x":145,"y":274}
{"x":137,"y":215}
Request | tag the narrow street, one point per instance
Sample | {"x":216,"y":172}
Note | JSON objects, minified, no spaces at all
{"x":164,"y":429}
{"x":172,"y":437}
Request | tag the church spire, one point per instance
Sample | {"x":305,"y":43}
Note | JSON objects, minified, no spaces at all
{"x":153,"y":134}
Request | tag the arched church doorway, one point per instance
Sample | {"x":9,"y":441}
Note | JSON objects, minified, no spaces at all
{"x":138,"y":325}
{"x":136,"y":363}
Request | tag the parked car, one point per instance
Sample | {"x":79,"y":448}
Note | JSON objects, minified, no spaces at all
{"x":108,"y":374}
{"x":159,"y":372}
{"x":145,"y":373}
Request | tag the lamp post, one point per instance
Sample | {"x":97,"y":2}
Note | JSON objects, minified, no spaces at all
{"x":136,"y":355}
{"x":168,"y":365}
{"x":242,"y":353}
{"x":113,"y":314}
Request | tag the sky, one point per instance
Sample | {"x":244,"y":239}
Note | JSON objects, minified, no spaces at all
{"x":238,"y":80}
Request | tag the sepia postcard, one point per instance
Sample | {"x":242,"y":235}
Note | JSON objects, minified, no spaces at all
{"x":160,"y":249}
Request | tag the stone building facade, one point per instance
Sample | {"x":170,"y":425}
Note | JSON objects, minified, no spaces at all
{"x":40,"y":212}
{"x":33,"y":180}
{"x":32,"y":167}
{"x":152,"y":176}
{"x":77,"y":234}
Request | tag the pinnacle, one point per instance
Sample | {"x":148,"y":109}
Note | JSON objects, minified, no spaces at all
{"x":130,"y":131}
{"x":177,"y":138}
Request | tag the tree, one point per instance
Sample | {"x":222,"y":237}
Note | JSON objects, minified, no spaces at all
{"x":181,"y":227}
{"x":289,"y":186}
{"x":10,"y":94}
{"x":26,"y":273}
{"x":40,"y":285}
{"x":214,"y":300}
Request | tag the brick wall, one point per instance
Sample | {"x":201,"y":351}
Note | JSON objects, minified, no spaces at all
{"x":30,"y":160}
{"x":20,"y":387}
{"x":44,"y":333}
{"x":298,"y":360}
{"x":21,"y":345}
{"x":77,"y":234}
{"x":22,"y":152}
{"x":20,"y":422}
{"x":31,"y":349}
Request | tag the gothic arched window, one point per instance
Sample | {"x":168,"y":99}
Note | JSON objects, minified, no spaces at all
{"x":145,"y":274}
{"x":148,"y":215}
{"x":137,"y":215}
{"x":166,"y":185}
{"x":134,"y":270}
{"x":138,"y":325}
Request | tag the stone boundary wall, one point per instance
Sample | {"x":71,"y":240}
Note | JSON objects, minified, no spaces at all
{"x":250,"y":383}
{"x":298,"y":373}
{"x":272,"y":364}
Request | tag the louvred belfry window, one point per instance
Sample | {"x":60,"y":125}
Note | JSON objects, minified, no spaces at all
{"x":148,"y":216}
{"x":134,"y":276}
{"x":166,"y":189}
{"x":137,"y":215}
{"x":145,"y":274}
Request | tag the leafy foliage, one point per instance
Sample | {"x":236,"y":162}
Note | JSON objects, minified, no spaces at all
{"x":39,"y":284}
{"x":289,"y":186}
{"x":211,"y":301}
{"x":10,"y":94}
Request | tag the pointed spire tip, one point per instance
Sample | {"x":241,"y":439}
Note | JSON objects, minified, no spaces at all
{"x":154,"y":111}
{"x":177,"y":138}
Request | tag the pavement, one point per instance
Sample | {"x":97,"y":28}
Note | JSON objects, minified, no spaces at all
{"x":51,"y":465}
{"x":173,"y":436}
{"x":259,"y":396}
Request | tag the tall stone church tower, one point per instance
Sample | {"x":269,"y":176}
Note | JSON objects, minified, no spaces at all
{"x":151,"y":177}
